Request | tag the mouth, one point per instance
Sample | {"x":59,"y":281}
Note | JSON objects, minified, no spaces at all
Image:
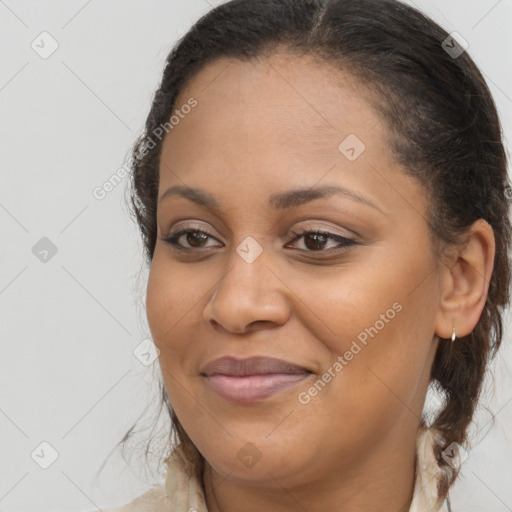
{"x":253,"y":379}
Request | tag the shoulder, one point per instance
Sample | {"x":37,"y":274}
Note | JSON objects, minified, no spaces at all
{"x":154,"y":500}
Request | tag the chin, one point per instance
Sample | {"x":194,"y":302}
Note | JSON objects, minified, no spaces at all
{"x":257,"y":457}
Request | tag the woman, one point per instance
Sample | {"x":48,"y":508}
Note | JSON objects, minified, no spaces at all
{"x":321,"y":190}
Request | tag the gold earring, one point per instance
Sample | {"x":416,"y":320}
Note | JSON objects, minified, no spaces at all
{"x":453,"y":335}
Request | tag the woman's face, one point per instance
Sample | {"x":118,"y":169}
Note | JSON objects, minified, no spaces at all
{"x":271,"y":148}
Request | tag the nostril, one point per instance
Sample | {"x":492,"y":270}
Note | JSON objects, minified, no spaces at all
{"x":256,"y":323}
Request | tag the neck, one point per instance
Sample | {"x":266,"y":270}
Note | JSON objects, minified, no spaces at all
{"x":381,"y":480}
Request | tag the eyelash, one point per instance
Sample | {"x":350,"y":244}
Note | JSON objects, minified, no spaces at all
{"x":346,"y":242}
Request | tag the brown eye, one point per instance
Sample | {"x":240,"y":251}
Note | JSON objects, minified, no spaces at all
{"x":316,"y":241}
{"x":195,"y":238}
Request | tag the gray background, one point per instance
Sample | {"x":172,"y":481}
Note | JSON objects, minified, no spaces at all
{"x":69,"y":326}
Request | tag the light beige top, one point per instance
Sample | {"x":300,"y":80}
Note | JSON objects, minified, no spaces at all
{"x":181,"y":491}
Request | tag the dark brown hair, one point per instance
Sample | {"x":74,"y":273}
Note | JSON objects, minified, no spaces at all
{"x":443,"y":129}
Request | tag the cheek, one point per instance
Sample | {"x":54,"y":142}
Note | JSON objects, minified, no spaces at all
{"x":384,"y":370}
{"x":165,"y":306}
{"x":348,"y":303}
{"x":175,"y":299}
{"x":172,"y":295}
{"x":372,"y":302}
{"x":160,"y":303}
{"x":381,"y":331}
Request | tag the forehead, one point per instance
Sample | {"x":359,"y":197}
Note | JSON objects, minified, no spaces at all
{"x":276,"y":120}
{"x":283,"y":101}
{"x":265,"y":126}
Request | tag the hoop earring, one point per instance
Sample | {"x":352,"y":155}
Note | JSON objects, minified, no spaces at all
{"x":453,"y":335}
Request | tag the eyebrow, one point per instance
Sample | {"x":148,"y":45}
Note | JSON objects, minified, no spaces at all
{"x":280,"y":201}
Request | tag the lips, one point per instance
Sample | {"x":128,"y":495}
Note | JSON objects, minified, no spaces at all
{"x":253,"y":379}
{"x":252,"y":366}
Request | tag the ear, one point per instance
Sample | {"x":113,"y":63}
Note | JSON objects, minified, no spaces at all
{"x":464,"y":282}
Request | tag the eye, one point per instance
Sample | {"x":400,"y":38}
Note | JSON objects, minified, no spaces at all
{"x":315,"y":240}
{"x":194,"y":237}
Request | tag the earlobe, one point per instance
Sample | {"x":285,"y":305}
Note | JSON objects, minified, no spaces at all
{"x":464,"y":284}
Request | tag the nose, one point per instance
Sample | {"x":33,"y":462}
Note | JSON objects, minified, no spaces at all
{"x":247,"y":297}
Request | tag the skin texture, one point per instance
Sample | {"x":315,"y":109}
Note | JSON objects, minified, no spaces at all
{"x":269,"y":126}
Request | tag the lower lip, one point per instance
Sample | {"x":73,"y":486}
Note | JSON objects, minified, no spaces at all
{"x":253,"y":388}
